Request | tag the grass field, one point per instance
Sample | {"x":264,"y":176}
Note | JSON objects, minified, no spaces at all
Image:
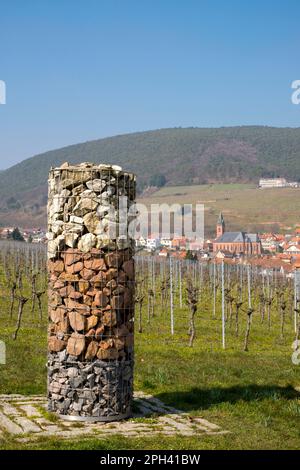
{"x":251,"y":394}
{"x":245,"y":207}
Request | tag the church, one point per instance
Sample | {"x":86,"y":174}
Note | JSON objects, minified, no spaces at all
{"x":235,"y":242}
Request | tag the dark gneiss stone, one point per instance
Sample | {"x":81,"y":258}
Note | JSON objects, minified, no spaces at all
{"x":96,"y":391}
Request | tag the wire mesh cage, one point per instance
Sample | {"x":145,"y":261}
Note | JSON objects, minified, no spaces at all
{"x":91,"y":292}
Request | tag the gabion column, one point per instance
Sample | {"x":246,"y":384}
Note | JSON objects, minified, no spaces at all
{"x":91,"y":292}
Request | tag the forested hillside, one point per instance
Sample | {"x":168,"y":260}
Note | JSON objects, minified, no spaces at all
{"x":171,"y":156}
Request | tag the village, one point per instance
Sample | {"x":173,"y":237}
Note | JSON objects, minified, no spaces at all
{"x":276,"y":251}
{"x":270,"y":251}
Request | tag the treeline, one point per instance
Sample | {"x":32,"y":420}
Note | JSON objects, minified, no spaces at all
{"x":168,"y":156}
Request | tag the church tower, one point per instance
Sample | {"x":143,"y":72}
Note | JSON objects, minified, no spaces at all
{"x":220,"y":225}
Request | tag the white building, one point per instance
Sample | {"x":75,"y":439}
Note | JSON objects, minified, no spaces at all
{"x":141,"y":242}
{"x":293,"y":250}
{"x":152,"y":244}
{"x":269,"y":243}
{"x":265,"y":183}
{"x":167,"y":242}
{"x":38,"y":239}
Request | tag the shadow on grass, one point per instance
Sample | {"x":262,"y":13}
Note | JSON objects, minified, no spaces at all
{"x":201,"y":398}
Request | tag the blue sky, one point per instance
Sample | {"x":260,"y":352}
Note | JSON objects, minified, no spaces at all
{"x":77,"y":70}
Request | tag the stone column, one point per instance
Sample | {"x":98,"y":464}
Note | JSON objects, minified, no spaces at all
{"x":91,"y":292}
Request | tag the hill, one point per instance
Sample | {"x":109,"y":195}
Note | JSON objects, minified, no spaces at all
{"x":244,"y":206}
{"x":183,"y":156}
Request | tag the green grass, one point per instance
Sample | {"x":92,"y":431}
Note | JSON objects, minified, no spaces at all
{"x":250,"y":394}
{"x":245,"y":207}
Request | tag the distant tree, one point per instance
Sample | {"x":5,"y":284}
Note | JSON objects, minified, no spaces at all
{"x":16,"y":235}
{"x":158,"y":180}
{"x":274,"y":228}
{"x":191,"y":256}
{"x":30,"y":239}
{"x":12,"y":203}
{"x":140,"y":186}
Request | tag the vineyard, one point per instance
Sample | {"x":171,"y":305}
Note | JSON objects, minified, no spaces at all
{"x":180,"y":299}
{"x":208,"y":336}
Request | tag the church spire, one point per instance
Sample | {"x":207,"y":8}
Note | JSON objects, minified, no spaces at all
{"x":220,"y":225}
{"x":221,"y":220}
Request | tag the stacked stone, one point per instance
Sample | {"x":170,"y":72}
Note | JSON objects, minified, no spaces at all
{"x":91,"y":292}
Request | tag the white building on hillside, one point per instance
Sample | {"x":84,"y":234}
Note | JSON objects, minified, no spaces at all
{"x":265,"y":183}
